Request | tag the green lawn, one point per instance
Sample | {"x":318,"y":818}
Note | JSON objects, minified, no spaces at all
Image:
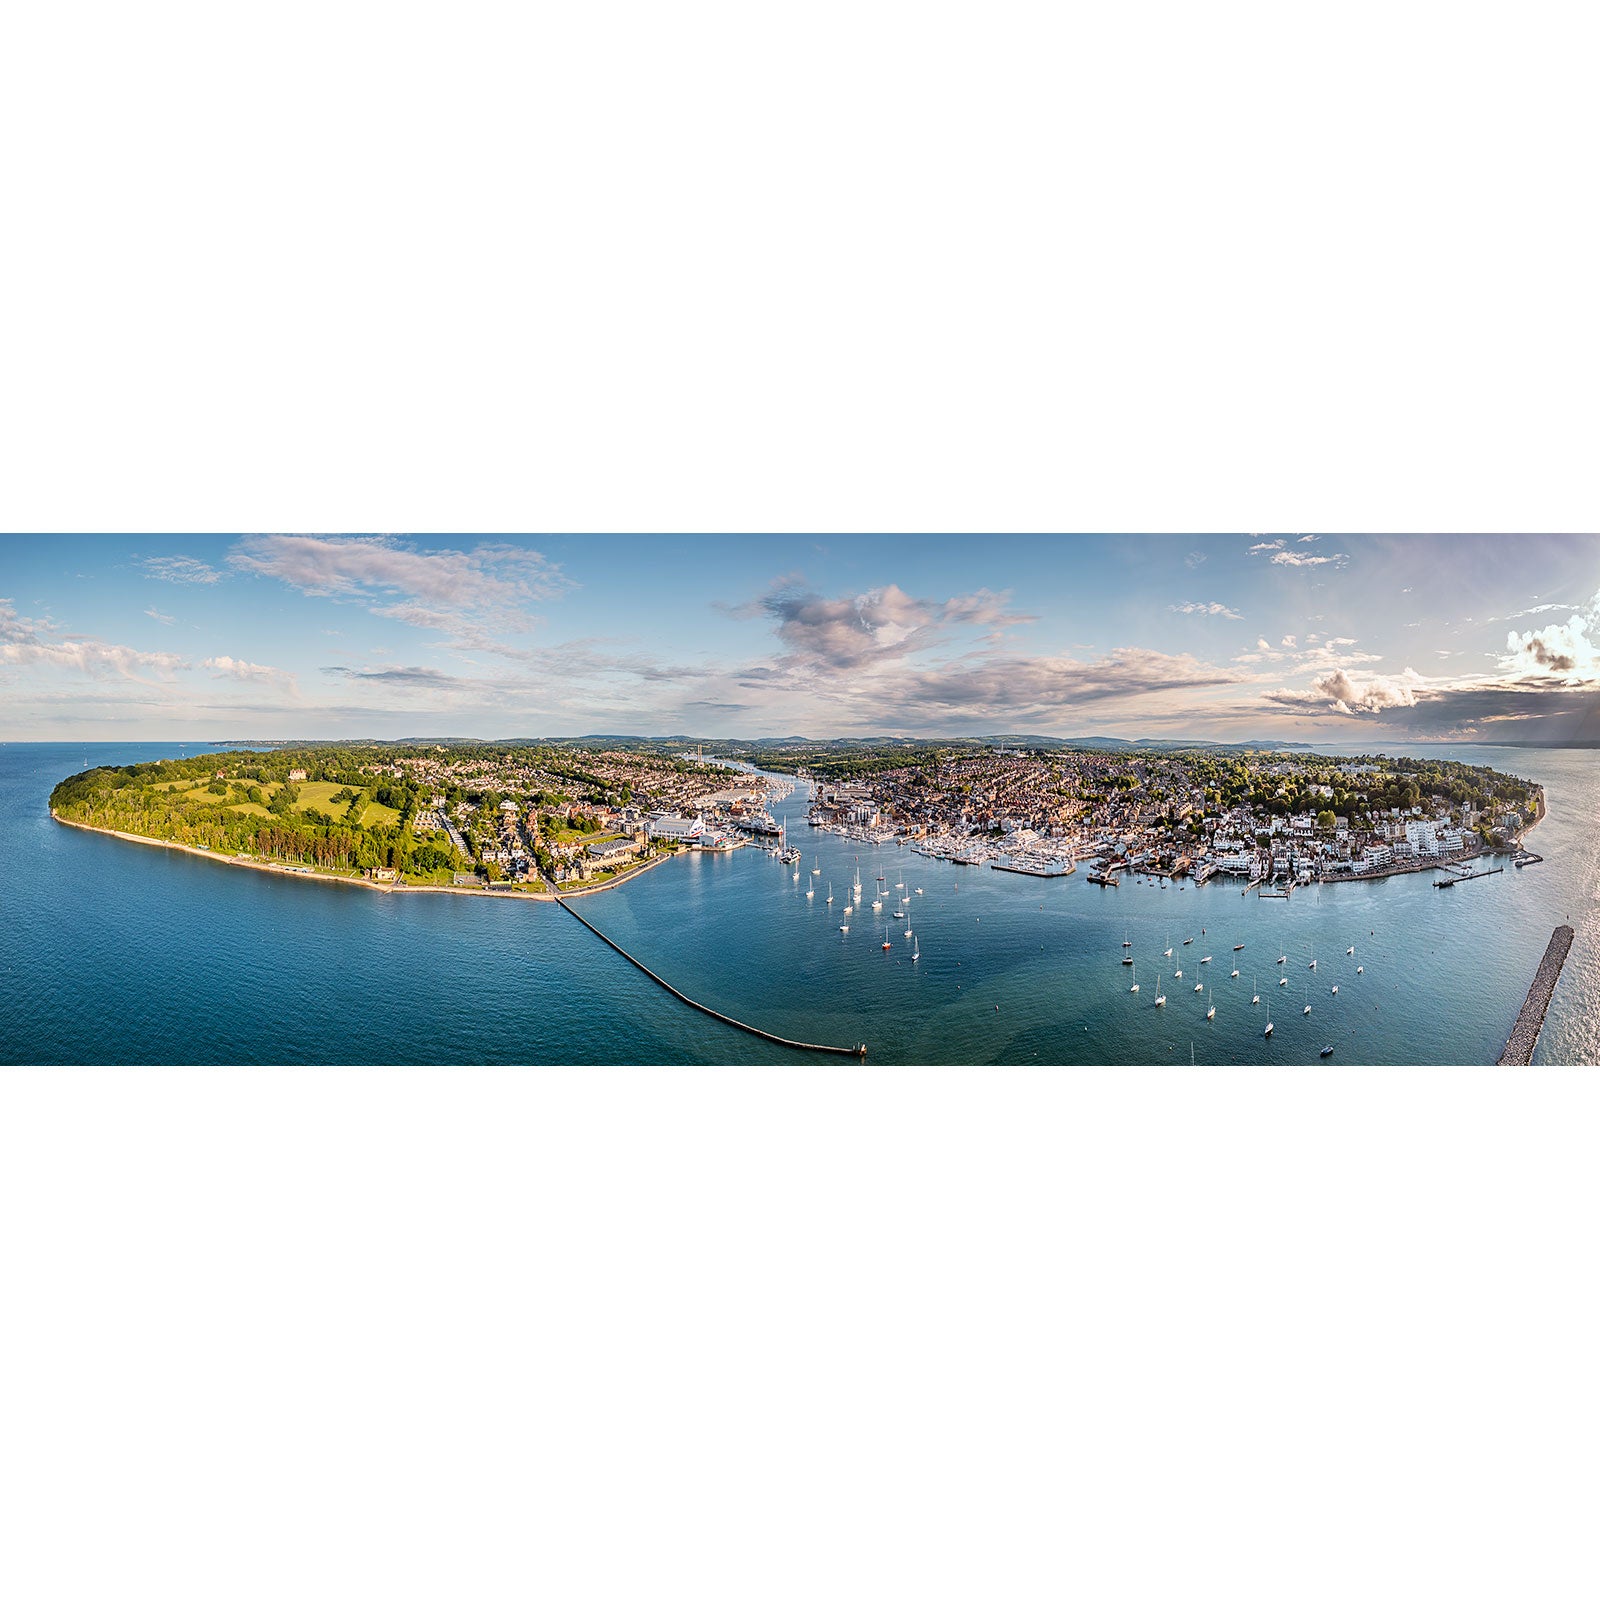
{"x":250,"y":809}
{"x":319,"y":795}
{"x":374,"y":814}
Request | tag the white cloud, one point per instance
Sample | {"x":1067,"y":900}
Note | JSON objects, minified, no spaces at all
{"x":179,"y":569}
{"x":248,"y":672}
{"x":1293,"y":558}
{"x":159,"y":616}
{"x":26,"y":641}
{"x":1213,"y":608}
{"x":1288,"y":642}
{"x":1562,"y":647}
{"x":1339,"y":691}
{"x":1193,"y":559}
{"x":1267,"y":544}
{"x":471,"y":595}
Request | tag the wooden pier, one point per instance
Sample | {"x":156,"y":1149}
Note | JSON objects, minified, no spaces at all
{"x":1525,"y":1035}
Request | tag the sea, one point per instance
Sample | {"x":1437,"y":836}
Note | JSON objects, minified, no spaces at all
{"x":118,"y":952}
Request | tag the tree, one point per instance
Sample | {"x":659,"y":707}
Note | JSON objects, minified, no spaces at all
{"x":1325,"y":820}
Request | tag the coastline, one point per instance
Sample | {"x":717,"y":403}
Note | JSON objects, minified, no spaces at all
{"x":311,"y":875}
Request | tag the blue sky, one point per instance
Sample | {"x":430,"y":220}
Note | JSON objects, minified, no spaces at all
{"x":1295,"y":636}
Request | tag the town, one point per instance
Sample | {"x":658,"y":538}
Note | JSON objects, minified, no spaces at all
{"x":571,"y":816}
{"x":1275,"y":819}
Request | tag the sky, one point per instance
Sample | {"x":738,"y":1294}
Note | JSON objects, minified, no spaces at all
{"x":1307,"y":637}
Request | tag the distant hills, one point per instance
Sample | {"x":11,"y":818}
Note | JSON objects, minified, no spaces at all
{"x":1016,"y":741}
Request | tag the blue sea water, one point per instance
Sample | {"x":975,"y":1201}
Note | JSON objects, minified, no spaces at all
{"x":119,"y":952}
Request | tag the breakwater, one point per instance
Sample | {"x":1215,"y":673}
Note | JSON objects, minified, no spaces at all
{"x":859,"y":1051}
{"x":1525,"y":1035}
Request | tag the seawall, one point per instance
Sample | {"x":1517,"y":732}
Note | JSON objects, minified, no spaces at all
{"x":859,"y":1051}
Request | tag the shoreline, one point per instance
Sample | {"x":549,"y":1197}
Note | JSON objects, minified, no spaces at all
{"x":312,"y":875}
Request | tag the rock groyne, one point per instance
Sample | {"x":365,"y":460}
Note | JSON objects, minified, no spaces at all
{"x":1525,"y":1035}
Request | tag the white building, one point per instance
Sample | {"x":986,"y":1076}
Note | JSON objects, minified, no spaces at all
{"x":669,"y":825}
{"x":1377,"y":855}
{"x":1423,"y":838}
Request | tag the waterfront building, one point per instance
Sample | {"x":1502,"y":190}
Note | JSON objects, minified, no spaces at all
{"x":675,"y":827}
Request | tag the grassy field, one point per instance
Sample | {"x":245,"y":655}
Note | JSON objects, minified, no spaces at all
{"x":312,"y":797}
{"x":319,"y":795}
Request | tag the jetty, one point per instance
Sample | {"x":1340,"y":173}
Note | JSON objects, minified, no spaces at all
{"x":1463,"y":876}
{"x":858,"y":1051}
{"x":1525,"y":1035}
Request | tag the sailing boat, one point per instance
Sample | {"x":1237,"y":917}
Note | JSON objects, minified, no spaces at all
{"x":830,"y":894}
{"x":811,"y":889}
{"x":1351,"y":951}
{"x":1211,"y":1008}
{"x":816,"y":869}
{"x":1281,"y":956}
{"x":1127,"y":960}
{"x":885,"y":938}
{"x":1135,"y":988}
{"x":1266,"y":1032}
{"x":1313,"y":967}
{"x":1335,"y":989}
{"x":1161,"y":999}
{"x":908,"y":928}
{"x":1307,"y":1011}
{"x":1198,"y":987}
{"x":1168,"y":952}
{"x":1283,"y":982}
{"x":1126,"y":941}
{"x":1255,"y":999}
{"x":916,"y":949}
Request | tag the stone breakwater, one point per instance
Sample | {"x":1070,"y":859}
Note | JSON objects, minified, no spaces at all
{"x":1525,"y":1035}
